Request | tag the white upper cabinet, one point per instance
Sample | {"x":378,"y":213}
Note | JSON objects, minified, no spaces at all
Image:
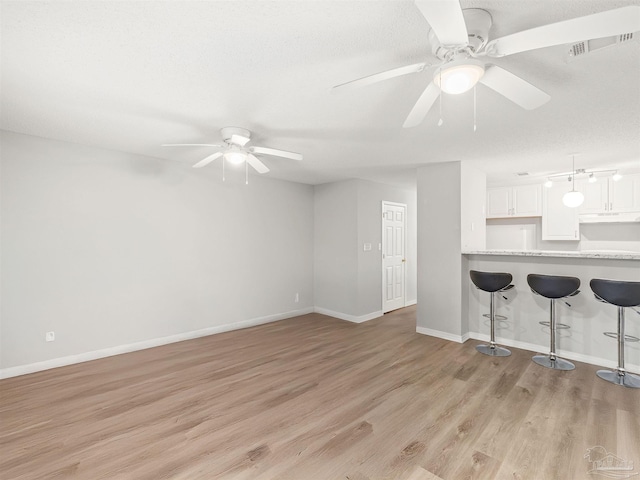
{"x":609,"y":196}
{"x":517,"y":201}
{"x":498,"y":202}
{"x":559,"y":222}
{"x":624,"y":195}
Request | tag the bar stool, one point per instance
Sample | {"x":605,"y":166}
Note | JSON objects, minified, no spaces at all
{"x":492,"y":283}
{"x":553,"y":287}
{"x":622,"y":295}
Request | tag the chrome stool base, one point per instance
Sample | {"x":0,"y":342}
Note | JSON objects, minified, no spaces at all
{"x":494,"y":352}
{"x":627,"y":380}
{"x":557,"y":364}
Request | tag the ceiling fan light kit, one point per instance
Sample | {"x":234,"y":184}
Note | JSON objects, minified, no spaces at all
{"x":234,"y":155}
{"x":459,"y":76}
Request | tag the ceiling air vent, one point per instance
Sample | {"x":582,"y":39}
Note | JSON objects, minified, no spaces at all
{"x":578,"y":49}
{"x":522,"y":174}
{"x":625,"y":37}
{"x":582,"y":48}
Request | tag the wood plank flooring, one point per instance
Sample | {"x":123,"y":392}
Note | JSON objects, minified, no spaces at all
{"x":313,"y":398}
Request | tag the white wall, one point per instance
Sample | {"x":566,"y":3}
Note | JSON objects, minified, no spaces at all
{"x":439,"y":250}
{"x":473,"y":187}
{"x":348,"y":280}
{"x":335,"y":247}
{"x":108,"y":249}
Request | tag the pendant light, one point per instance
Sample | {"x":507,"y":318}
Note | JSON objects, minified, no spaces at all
{"x":573,"y":199}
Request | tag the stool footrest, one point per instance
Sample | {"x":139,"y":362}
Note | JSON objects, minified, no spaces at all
{"x":559,"y":326}
{"x":627,"y":338}
{"x":498,"y":317}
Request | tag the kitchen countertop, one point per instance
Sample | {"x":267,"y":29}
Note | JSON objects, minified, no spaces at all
{"x":603,"y":254}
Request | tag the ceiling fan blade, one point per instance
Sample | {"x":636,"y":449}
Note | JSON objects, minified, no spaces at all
{"x":189,"y":145}
{"x":207,"y":160}
{"x":239,"y":139}
{"x":514,"y":88}
{"x":604,"y":24}
{"x":257,"y":164}
{"x":422,"y":106}
{"x":275,"y":153}
{"x":382,"y":76}
{"x":446,"y":20}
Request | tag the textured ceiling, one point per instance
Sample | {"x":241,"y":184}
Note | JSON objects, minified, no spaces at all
{"x":130,"y":76}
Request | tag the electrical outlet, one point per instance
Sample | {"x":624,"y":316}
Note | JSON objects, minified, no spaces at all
{"x":297,"y":298}
{"x":50,"y":336}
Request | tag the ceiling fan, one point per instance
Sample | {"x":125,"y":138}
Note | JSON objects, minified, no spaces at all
{"x":459,"y":39}
{"x":235,"y":150}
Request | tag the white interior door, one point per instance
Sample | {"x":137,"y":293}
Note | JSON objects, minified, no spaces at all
{"x":394,"y":218}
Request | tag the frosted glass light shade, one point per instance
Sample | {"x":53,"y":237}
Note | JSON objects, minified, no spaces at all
{"x":573,"y":199}
{"x":235,"y":157}
{"x":459,"y":77}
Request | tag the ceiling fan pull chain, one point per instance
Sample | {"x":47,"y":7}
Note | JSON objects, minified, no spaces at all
{"x":440,"y":122}
{"x":474,"y":109}
{"x":223,"y":168}
{"x":246,"y":172}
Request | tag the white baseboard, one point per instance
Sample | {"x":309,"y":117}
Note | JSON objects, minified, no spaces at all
{"x":532,"y":347}
{"x":154,"y":342}
{"x":347,"y":317}
{"x":408,"y":303}
{"x":444,"y":335}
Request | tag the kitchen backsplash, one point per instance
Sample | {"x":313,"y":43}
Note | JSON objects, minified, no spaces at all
{"x":525,"y":234}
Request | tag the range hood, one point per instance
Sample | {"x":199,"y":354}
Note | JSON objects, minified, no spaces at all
{"x":626,"y":217}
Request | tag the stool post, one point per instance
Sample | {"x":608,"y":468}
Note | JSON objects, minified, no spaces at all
{"x":552,"y":326}
{"x":492,"y":317}
{"x":621,"y":370}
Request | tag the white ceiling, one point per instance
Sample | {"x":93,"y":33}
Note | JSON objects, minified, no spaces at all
{"x":130,"y":76}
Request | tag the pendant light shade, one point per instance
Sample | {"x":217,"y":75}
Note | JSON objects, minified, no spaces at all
{"x":573,"y":199}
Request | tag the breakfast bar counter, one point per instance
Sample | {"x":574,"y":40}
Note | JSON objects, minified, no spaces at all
{"x":587,"y":318}
{"x":603,"y":254}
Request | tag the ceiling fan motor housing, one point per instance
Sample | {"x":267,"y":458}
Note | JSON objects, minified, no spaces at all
{"x":229,"y":132}
{"x":478,"y":22}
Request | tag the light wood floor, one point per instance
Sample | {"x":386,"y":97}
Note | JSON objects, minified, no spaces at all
{"x":313,"y":398}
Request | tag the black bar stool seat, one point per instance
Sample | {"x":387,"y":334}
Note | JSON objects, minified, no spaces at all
{"x":493,"y":283}
{"x":622,"y":295}
{"x":553,"y":287}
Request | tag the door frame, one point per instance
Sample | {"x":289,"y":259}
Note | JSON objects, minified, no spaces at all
{"x":382,"y":245}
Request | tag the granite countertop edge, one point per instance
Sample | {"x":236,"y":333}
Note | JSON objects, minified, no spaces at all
{"x":550,"y":253}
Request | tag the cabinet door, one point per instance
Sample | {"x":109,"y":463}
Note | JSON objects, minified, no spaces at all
{"x":595,"y":196}
{"x":527,"y":201}
{"x":498,"y":202}
{"x":624,"y":195}
{"x":558,"y":221}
